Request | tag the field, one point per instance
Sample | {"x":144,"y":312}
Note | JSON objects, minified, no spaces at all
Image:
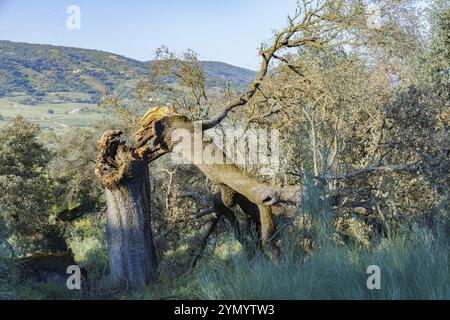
{"x":54,"y":117}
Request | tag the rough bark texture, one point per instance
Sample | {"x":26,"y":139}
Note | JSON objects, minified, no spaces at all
{"x":125,"y":175}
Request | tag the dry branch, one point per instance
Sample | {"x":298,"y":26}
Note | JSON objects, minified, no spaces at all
{"x":318,"y":26}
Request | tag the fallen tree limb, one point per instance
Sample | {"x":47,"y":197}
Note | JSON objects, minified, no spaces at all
{"x":204,"y":213}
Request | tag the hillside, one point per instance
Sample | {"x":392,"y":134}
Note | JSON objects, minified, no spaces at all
{"x":218,"y":72}
{"x":34,"y":73}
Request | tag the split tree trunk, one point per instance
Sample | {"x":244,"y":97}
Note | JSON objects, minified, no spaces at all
{"x":125,"y":175}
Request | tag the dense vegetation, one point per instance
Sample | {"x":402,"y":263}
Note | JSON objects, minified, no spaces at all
{"x":364,"y":124}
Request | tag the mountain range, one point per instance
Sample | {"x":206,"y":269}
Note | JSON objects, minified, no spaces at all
{"x":37,"y":73}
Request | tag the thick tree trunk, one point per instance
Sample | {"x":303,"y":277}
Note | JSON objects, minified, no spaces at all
{"x":125,"y":176}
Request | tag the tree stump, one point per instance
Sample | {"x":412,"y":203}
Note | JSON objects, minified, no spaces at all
{"x":125,"y":175}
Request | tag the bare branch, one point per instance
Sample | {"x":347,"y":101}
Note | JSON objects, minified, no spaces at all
{"x":204,"y":241}
{"x":317,"y":26}
{"x":197,"y":195}
{"x":204,"y":213}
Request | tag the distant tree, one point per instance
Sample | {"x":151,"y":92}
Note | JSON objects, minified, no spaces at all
{"x":77,"y":191}
{"x":24,"y":187}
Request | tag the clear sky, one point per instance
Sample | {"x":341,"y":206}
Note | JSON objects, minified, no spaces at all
{"x":224,"y":30}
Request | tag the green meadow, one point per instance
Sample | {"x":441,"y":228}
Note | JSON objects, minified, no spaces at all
{"x":54,"y":117}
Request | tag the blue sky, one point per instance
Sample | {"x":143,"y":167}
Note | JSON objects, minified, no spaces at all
{"x":229,"y":31}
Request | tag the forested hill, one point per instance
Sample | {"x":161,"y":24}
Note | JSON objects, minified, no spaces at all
{"x":32,"y":73}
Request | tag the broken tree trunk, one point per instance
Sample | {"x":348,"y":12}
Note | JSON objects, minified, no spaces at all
{"x":125,"y":175}
{"x":159,"y":134}
{"x":155,"y":137}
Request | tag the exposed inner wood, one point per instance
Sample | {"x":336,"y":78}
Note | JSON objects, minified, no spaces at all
{"x":125,"y":175}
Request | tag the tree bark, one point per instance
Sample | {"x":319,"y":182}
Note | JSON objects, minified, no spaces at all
{"x":125,"y":175}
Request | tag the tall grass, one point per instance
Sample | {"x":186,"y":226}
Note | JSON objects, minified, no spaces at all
{"x":13,"y":285}
{"x":414,"y":264}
